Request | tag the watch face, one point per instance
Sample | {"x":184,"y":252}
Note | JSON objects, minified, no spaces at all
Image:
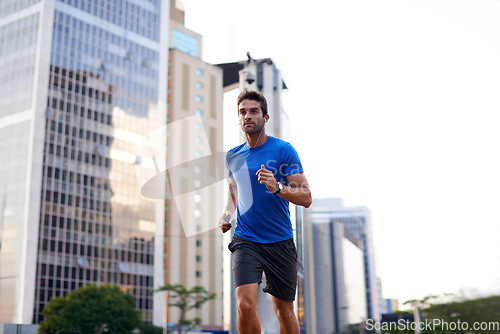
{"x":279,"y":188}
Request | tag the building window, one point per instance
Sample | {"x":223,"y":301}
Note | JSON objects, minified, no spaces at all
{"x":198,"y":243}
{"x":198,"y":273}
{"x":199,"y":71}
{"x":197,"y":198}
{"x":199,"y":112}
{"x":198,"y":258}
{"x":199,"y":98}
{"x":199,"y":85}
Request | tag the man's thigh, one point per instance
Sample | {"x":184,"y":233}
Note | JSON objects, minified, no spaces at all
{"x":280,"y":267}
{"x":247,"y":262}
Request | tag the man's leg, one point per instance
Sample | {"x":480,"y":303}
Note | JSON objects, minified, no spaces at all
{"x":246,"y":305}
{"x":286,"y":316}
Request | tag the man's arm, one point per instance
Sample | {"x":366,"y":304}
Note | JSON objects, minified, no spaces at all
{"x":232,"y":198}
{"x":297,"y":191}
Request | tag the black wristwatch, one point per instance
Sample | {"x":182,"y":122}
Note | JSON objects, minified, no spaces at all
{"x":279,"y":188}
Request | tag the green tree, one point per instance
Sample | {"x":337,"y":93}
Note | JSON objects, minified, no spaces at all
{"x":91,"y":309}
{"x":482,"y":310}
{"x":147,"y":328}
{"x":185,"y":300}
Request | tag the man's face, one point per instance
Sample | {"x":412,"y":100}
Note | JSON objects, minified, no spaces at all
{"x":250,"y":114}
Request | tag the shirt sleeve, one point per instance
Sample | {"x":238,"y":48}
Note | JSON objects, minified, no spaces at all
{"x":234,"y":161}
{"x":291,"y":161}
{"x":229,"y":172}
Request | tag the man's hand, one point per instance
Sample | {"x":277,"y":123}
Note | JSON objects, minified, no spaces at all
{"x":266,"y":177}
{"x":225,"y":222}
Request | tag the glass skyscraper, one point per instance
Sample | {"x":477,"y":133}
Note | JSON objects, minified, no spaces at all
{"x":82,"y":90}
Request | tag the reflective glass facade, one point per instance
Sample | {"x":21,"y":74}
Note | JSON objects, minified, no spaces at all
{"x":184,"y":43}
{"x":11,"y":6}
{"x":18,"y":39}
{"x":100,"y":106}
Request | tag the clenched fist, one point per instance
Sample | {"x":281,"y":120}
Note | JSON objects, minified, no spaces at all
{"x":266,"y":177}
{"x":225,"y":222}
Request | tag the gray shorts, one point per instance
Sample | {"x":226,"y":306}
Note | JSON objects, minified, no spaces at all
{"x":277,"y":260}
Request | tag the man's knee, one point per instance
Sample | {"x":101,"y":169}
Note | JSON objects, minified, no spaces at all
{"x":246,"y":299}
{"x":285,"y":314}
{"x":284,"y":310}
{"x":246,"y":305}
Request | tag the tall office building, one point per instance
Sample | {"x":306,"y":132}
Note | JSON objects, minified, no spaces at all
{"x":341,"y":285}
{"x":82,"y":87}
{"x":193,"y":241}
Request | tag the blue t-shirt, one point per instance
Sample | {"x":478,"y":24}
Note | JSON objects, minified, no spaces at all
{"x":262,"y":216}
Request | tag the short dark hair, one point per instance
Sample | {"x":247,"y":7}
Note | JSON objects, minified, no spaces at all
{"x":254,"y":96}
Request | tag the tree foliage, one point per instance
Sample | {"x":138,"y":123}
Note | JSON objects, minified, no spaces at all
{"x":91,"y":309}
{"x":146,"y":328}
{"x":449,"y":314}
{"x":186,"y":299}
{"x":482,"y":310}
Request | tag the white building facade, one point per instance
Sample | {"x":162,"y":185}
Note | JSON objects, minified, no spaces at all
{"x":339,"y":264}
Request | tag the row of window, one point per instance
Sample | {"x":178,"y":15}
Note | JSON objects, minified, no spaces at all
{"x":82,"y":112}
{"x":77,"y":201}
{"x":61,"y":209}
{"x":69,"y":226}
{"x":94,"y":159}
{"x":75,"y":132}
{"x":87,"y":247}
{"x":10,"y":6}
{"x":75,"y":248}
{"x":74,"y":222}
{"x":142,"y":21}
{"x":89,"y":158}
{"x":81,"y":93}
{"x":58,"y":272}
{"x":184,"y":43}
{"x":98,"y":228}
{"x":78,"y":178}
{"x":82,"y":240}
{"x":18,"y":66}
{"x":75,"y":190}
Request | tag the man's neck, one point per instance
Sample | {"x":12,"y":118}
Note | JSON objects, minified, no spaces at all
{"x":255,"y":139}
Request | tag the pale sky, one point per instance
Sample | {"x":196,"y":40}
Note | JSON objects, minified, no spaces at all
{"x":395,"y":105}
